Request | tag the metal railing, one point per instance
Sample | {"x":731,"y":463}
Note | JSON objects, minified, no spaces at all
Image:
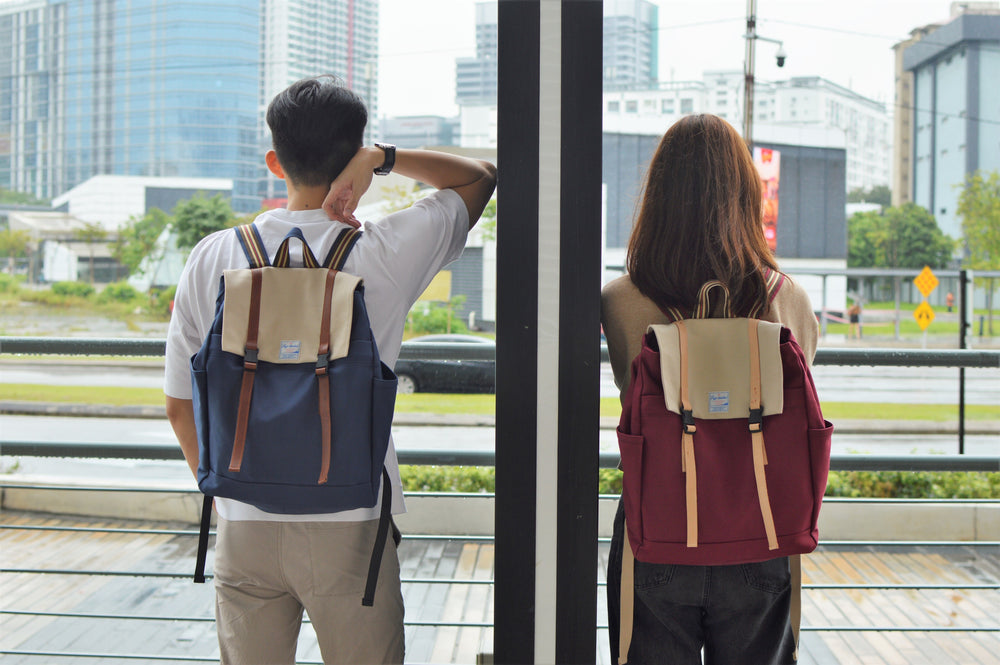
{"x":118,"y":347}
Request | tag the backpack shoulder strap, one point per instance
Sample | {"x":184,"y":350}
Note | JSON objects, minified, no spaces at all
{"x":253,"y":246}
{"x":341,"y":248}
{"x":772,"y":282}
{"x":773,"y":279}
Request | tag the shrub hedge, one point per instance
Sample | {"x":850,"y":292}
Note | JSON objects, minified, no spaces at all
{"x":854,"y":484}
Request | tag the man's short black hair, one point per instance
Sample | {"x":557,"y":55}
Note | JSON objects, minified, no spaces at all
{"x":317,"y":125}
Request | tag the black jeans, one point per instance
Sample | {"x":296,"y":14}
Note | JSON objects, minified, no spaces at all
{"x":738,"y":614}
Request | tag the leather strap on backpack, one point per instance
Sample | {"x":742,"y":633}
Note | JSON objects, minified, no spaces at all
{"x":323,"y":385}
{"x":626,"y":607}
{"x":688,"y":466}
{"x":756,"y":425}
{"x":249,"y":371}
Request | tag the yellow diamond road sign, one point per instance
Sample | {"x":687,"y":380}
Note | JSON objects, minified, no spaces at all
{"x":924,"y":314}
{"x":926,"y":281}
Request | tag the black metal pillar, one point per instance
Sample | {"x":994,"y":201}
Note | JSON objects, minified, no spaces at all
{"x":548,"y":346}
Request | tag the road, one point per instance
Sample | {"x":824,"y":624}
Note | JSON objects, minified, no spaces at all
{"x":914,"y":385}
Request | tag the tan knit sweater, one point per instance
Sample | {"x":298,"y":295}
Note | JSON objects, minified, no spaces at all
{"x":626,"y":313}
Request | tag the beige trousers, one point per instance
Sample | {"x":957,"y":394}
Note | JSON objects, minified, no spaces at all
{"x":266,"y":573}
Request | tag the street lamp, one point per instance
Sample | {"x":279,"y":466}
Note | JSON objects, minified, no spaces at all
{"x":751,"y":38}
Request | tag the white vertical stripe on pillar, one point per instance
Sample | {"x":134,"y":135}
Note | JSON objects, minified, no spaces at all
{"x":547,"y":455}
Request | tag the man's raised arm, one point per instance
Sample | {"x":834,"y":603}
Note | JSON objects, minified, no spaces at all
{"x":472,"y":179}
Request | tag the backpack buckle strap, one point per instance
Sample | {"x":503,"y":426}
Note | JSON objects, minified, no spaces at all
{"x":322,"y":360}
{"x":756,"y":420}
{"x":250,"y":358}
{"x":687,"y":420}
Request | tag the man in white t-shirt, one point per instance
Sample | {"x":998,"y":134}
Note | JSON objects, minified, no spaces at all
{"x":269,"y":567}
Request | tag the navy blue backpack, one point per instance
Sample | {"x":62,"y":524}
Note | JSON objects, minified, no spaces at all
{"x":292,"y":404}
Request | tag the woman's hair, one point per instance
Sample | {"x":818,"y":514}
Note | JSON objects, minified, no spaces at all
{"x":317,"y":126}
{"x":700,"y":219}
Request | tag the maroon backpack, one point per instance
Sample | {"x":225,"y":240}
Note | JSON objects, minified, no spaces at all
{"x":724,"y":449}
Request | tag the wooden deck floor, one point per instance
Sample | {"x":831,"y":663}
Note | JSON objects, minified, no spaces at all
{"x":427,"y":603}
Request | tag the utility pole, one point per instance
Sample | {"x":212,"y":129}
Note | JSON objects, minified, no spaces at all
{"x":748,"y":69}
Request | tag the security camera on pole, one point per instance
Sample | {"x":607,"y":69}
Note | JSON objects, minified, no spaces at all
{"x":751,"y":38}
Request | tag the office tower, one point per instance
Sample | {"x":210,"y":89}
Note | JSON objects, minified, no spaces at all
{"x":476,"y":78}
{"x":156,"y":88}
{"x":956,"y":118}
{"x":90,"y":87}
{"x":304,"y":38}
{"x":631,"y":37}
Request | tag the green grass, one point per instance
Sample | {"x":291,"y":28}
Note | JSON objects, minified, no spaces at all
{"x":485,"y":404}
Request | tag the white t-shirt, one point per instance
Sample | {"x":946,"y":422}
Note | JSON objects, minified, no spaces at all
{"x":396,"y":257}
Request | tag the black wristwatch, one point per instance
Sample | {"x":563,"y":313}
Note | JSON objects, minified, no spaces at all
{"x":390,"y":158}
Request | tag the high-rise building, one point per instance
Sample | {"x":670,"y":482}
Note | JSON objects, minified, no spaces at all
{"x":154,"y":88}
{"x":631,"y":54}
{"x":631,"y":38}
{"x":902,"y":129}
{"x":956,"y":119}
{"x":303,"y":38}
{"x":89,"y":87}
{"x":476,"y":78}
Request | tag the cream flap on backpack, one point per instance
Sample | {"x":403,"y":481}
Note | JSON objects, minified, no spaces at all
{"x":718,"y":367}
{"x":291,"y":306}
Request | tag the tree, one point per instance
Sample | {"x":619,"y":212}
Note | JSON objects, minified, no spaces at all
{"x":20,"y":198}
{"x":14,"y":244}
{"x":880,"y":194}
{"x":979,"y":208}
{"x":137,"y":238}
{"x":903,"y":237}
{"x":488,"y":220}
{"x":199,"y":216}
{"x":399,"y":197}
{"x":91,"y":233}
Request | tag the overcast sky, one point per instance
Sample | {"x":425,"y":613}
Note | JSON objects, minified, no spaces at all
{"x":846,"y":41}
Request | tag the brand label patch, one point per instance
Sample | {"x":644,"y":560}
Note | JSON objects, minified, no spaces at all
{"x":718,"y":402}
{"x":289,"y":349}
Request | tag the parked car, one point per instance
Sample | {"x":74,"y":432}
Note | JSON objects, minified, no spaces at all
{"x":447,"y":364}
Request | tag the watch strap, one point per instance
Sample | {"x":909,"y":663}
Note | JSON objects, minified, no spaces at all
{"x":390,"y":158}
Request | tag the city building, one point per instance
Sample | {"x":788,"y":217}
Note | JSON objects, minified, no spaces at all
{"x":476,"y":78}
{"x":902,"y":126}
{"x":112,"y":200}
{"x":801,"y":102}
{"x":956,"y":121}
{"x":419,"y":131}
{"x":631,"y":54}
{"x":150,"y":89}
{"x":303,"y":38}
{"x":631,"y":38}
{"x":164,"y":89}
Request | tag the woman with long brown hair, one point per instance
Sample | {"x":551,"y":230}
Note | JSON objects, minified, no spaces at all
{"x":700,"y":220}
